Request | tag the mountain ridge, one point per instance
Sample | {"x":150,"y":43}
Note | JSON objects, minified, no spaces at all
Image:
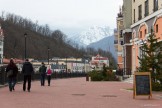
{"x":93,"y":34}
{"x":106,"y":44}
{"x":97,"y":37}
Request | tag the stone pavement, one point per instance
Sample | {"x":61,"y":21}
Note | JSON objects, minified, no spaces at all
{"x":77,"y":93}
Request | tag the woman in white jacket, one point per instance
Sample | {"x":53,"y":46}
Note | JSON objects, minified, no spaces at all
{"x":49,"y":72}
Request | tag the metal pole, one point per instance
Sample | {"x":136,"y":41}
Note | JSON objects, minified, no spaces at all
{"x":48,"y":56}
{"x":25,"y":34}
{"x":76,"y":65}
{"x":84,"y":66}
{"x":66,"y":64}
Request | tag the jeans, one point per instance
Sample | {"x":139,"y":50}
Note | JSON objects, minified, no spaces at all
{"x":27,"y":78}
{"x":42,"y":79}
{"x":12,"y":82}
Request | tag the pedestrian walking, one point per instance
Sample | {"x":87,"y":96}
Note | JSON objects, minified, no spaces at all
{"x":12,"y":72}
{"x":28,"y":71}
{"x":49,"y":73}
{"x":42,"y":71}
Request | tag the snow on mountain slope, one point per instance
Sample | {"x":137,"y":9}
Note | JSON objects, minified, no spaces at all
{"x":93,"y":34}
{"x":96,"y":37}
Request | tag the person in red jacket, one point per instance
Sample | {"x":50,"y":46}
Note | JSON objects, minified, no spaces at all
{"x":49,"y":72}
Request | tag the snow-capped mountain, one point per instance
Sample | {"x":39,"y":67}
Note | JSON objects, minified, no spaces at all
{"x":93,"y":34}
{"x":96,"y":37}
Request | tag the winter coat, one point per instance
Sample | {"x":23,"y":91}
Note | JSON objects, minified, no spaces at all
{"x":49,"y":72}
{"x":14,"y":68}
{"x":42,"y":70}
{"x":27,"y":68}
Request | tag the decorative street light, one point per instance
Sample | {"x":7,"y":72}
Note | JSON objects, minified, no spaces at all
{"x":25,"y":35}
{"x":48,"y":55}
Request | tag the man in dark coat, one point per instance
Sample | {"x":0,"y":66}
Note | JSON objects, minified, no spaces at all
{"x":42,"y":71}
{"x":27,"y":70}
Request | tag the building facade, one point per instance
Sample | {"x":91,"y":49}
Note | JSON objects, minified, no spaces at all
{"x":127,"y":36}
{"x":147,"y":15}
{"x":139,"y":18}
{"x":118,"y":42}
{"x":98,"y":62}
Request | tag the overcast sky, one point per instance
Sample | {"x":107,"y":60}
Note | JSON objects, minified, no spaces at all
{"x":70,"y":16}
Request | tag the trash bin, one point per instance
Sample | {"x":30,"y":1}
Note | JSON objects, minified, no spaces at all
{"x":87,"y":77}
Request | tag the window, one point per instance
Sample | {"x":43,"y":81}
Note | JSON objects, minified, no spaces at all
{"x":146,"y":8}
{"x":141,"y":52}
{"x":121,"y":33}
{"x":145,"y":31}
{"x":140,"y":34}
{"x":139,"y":12}
{"x":156,"y":28}
{"x":134,"y":16}
{"x":121,"y":43}
{"x":155,"y":5}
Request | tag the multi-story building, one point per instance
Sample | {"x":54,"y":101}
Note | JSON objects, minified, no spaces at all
{"x":146,"y":15}
{"x":98,"y":62}
{"x":1,"y":45}
{"x":139,"y":17}
{"x":118,"y":42}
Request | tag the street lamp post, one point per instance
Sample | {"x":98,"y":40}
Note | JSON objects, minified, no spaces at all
{"x":66,"y":64}
{"x":48,"y":55}
{"x":25,"y":35}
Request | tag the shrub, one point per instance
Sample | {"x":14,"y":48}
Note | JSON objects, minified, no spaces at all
{"x":105,"y":75}
{"x":156,"y":86}
{"x":96,"y":76}
{"x":110,"y":76}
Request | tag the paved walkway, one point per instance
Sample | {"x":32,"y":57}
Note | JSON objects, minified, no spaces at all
{"x":77,"y":93}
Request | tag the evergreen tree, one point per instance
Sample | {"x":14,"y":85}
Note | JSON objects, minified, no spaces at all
{"x":150,"y":61}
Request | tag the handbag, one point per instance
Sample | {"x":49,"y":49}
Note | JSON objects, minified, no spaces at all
{"x":9,"y":73}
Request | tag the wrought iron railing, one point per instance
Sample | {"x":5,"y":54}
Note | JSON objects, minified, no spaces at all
{"x":36,"y":76}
